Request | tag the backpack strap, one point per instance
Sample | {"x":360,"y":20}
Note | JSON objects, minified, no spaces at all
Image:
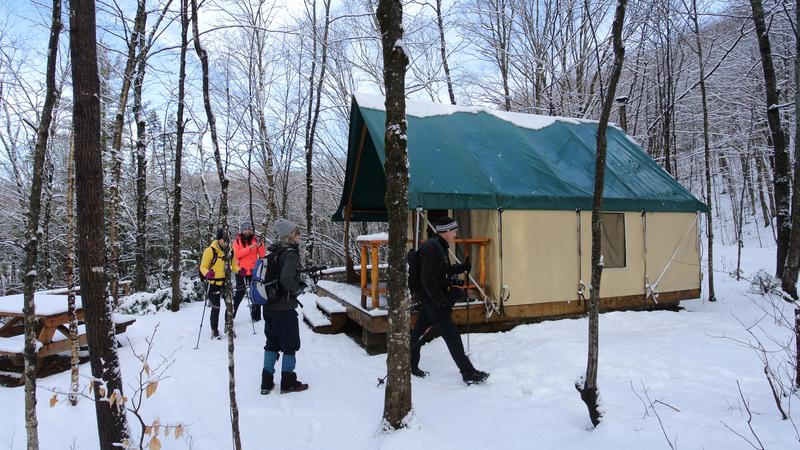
{"x":214,"y":257}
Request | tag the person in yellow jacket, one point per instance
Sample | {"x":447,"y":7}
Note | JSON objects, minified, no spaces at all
{"x":212,"y":266}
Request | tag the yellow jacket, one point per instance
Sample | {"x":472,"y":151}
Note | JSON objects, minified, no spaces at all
{"x":219,"y":264}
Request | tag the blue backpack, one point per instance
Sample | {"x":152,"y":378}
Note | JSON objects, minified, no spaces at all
{"x":265,"y":287}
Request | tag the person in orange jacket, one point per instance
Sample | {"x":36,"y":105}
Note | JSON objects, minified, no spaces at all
{"x":247,"y":248}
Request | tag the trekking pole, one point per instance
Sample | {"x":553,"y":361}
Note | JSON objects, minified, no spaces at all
{"x":203,"y":317}
{"x":250,"y":307}
{"x":413,"y":347}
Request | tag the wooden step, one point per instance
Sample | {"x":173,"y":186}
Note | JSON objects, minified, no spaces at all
{"x":328,"y":317}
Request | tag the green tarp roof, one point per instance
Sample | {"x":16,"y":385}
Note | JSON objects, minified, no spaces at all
{"x":473,"y":158}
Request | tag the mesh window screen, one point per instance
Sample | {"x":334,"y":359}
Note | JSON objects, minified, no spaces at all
{"x":613,"y":240}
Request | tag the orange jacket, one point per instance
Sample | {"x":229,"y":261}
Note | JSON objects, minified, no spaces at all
{"x":246,"y":256}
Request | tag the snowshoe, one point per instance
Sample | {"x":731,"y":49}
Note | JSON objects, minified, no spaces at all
{"x":474,"y":377}
{"x":215,"y":335}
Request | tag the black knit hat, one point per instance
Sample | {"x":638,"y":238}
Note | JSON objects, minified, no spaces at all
{"x":445,"y":224}
{"x":221,"y":234}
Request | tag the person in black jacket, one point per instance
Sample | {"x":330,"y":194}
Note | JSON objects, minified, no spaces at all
{"x":280,"y":318}
{"x":437,"y":297}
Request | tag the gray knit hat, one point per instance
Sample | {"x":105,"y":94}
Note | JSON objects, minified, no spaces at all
{"x":284,"y":228}
{"x":246,"y":226}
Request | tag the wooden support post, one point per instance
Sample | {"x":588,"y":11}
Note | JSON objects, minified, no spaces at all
{"x":364,"y":276}
{"x":46,"y":335}
{"x":375,"y":297}
{"x":482,"y":274}
{"x":466,"y":275}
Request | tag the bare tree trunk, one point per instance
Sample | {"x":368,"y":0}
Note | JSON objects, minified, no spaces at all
{"x":180,"y":127}
{"x":223,"y":181}
{"x":443,"y":50}
{"x":789,"y":280}
{"x":797,"y":346}
{"x":269,"y":169}
{"x":782,"y":165}
{"x":116,"y":145}
{"x":744,"y":160}
{"x":140,"y":276}
{"x":397,"y":399}
{"x":707,"y":153}
{"x":33,"y":232}
{"x":503,"y":25}
{"x":588,"y":391}
{"x":314,"y":104}
{"x":762,"y":185}
{"x":49,"y":169}
{"x":70,"y":244}
{"x":111,"y":421}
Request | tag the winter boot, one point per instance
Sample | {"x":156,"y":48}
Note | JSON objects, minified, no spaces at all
{"x":419,"y":373}
{"x":215,"y":334}
{"x":289,"y":383}
{"x":267,"y":382}
{"x":474,"y":377}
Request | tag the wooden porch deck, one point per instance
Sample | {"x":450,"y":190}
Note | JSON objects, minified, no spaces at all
{"x":374,"y":323}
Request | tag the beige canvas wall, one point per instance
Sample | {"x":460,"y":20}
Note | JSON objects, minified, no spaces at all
{"x":540,"y":254}
{"x":665,"y":231}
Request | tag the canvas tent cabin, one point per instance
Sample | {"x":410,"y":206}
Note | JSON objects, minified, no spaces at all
{"x":525,"y":182}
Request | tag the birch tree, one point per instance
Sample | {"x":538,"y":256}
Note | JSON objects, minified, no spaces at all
{"x":34,"y":232}
{"x":315,"y":82}
{"x":782,"y":175}
{"x":71,"y":310}
{"x":180,"y":125}
{"x":693,"y":14}
{"x":223,"y":181}
{"x":789,"y":281}
{"x":116,"y":146}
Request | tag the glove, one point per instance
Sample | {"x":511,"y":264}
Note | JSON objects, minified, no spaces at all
{"x":242,"y":272}
{"x":461,"y":268}
{"x":455,"y":295}
{"x":210,"y":275}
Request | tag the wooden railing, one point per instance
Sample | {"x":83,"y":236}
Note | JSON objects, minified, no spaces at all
{"x":369,"y":253}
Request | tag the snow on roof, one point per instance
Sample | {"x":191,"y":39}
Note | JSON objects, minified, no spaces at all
{"x":46,"y":304}
{"x":425,"y":109}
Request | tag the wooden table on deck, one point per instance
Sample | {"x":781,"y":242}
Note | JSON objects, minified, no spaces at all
{"x":52,"y":325}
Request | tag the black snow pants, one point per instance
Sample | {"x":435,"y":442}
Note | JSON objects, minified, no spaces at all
{"x":441,"y":319}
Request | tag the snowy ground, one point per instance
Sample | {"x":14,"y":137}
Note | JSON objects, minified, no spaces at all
{"x":528,"y":402}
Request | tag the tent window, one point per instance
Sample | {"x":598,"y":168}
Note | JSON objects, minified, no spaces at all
{"x":613,"y":240}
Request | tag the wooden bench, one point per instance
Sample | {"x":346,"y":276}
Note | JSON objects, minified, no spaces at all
{"x":122,"y":322}
{"x":52,"y":325}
